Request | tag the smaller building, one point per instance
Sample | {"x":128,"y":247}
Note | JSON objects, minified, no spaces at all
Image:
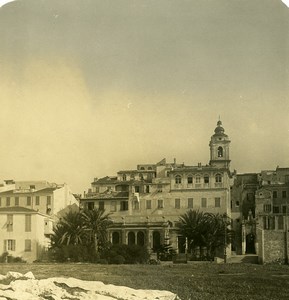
{"x":243,"y":212}
{"x":28,"y":212}
{"x":24,"y":232}
{"x":272,"y":201}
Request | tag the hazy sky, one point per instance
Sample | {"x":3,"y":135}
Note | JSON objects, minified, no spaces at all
{"x":91,"y":87}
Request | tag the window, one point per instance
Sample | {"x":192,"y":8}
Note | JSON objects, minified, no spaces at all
{"x":135,"y":205}
{"x":160,"y":203}
{"x":177,"y":203}
{"x":90,"y":205}
{"x":190,"y":202}
{"x":101,"y":205}
{"x":275,"y":194}
{"x":218,"y":178}
{"x":267,"y":208}
{"x":206,"y":179}
{"x":271,"y":223}
{"x":123,"y":205}
{"x":10,"y":245}
{"x":204,"y":202}
{"x":198,"y":179}
{"x":28,"y":201}
{"x":250,"y":196}
{"x":159,"y":188}
{"x":217,"y":202}
{"x":32,"y":187}
{"x":148,"y":204}
{"x":16,"y":201}
{"x":284,"y":194}
{"x":136,"y":189}
{"x":284,"y":210}
{"x":48,"y":200}
{"x":190,"y":179}
{"x":124,"y":177}
{"x":9,"y":223}
{"x":27,"y":245}
{"x":37,"y":200}
{"x":276,"y":209}
{"x":27,"y":223}
{"x":132,"y":176}
{"x":178,"y":179}
{"x":220,"y":151}
{"x":113,"y":206}
{"x":237,"y":203}
{"x":280,"y":222}
{"x":147,"y":189}
{"x":8,"y":201}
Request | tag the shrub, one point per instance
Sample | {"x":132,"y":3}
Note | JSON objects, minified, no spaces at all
{"x":73,"y":253}
{"x":5,"y":257}
{"x":128,"y":254}
{"x":118,"y":259}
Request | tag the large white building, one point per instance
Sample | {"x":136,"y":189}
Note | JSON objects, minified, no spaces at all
{"x":146,"y":202}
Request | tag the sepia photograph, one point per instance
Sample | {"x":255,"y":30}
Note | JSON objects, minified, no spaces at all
{"x":144,"y":149}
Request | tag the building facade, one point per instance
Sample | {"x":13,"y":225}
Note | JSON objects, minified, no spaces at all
{"x":146,"y":203}
{"x":28,"y":213}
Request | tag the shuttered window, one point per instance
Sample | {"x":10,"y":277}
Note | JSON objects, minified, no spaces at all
{"x":27,"y":223}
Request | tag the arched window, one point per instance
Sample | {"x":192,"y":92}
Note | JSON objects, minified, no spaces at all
{"x":124,"y":177}
{"x":190,"y":179}
{"x":140,"y":237}
{"x":150,"y":168}
{"x":220,"y":151}
{"x":156,"y":240}
{"x":131,"y":238}
{"x":218,"y":178}
{"x":115,"y":238}
{"x":178,"y":179}
{"x":198,"y":179}
{"x":206,"y":178}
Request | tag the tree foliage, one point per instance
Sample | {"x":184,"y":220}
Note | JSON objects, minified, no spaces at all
{"x":79,"y":236}
{"x":205,"y":231}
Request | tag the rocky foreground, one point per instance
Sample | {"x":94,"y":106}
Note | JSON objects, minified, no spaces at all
{"x":17,"y":286}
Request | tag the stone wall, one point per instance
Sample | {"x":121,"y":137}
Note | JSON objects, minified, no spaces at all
{"x":271,"y":244}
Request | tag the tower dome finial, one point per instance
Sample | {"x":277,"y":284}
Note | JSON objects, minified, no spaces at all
{"x":219,"y":129}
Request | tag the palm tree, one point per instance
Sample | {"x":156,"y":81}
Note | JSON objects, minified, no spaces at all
{"x":204,"y":230}
{"x":217,"y":233}
{"x":191,"y":226}
{"x":95,"y":224}
{"x":69,"y":230}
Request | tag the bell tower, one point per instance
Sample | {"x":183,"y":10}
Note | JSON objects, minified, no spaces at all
{"x":219,"y":148}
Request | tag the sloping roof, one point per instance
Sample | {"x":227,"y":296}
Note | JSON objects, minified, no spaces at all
{"x":48,"y":189}
{"x":9,"y":192}
{"x":106,"y":179}
{"x":16,"y":209}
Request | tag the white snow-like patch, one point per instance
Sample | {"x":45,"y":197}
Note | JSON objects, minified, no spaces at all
{"x":26,"y":287}
{"x":286,"y":2}
{"x":2,"y":3}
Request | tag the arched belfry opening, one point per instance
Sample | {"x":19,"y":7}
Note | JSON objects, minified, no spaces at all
{"x":220,"y":152}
